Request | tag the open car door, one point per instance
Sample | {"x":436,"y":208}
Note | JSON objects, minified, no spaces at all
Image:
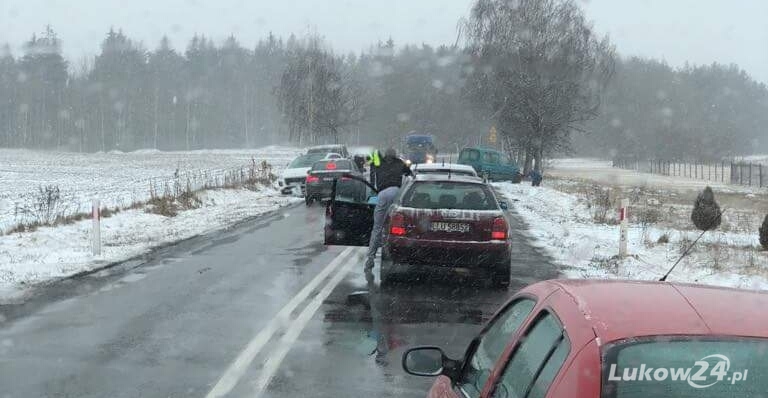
{"x":349,"y":213}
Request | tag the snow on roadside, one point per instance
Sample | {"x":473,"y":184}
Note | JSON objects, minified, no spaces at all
{"x":561,"y":223}
{"x":54,"y":252}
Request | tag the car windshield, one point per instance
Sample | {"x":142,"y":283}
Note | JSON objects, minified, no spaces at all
{"x":450,"y":195}
{"x":324,"y":150}
{"x":676,"y":367}
{"x":230,"y":198}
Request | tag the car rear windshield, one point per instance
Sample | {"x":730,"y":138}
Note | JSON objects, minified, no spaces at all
{"x":332,"y":165}
{"x":330,"y":149}
{"x":450,"y":195}
{"x":675,"y":367}
{"x":304,"y":161}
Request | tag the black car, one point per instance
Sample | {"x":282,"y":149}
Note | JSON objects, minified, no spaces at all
{"x":319,"y":182}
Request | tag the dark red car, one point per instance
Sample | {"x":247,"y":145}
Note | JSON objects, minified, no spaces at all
{"x":443,"y":222}
{"x":611,"y":339}
{"x":437,"y":223}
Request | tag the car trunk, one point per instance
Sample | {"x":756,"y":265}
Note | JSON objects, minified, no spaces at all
{"x":447,"y":237}
{"x":450,"y":225}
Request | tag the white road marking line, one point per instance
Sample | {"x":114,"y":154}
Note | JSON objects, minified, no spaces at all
{"x":238,"y":367}
{"x":297,"y":326}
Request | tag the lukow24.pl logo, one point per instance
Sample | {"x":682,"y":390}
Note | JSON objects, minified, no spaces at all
{"x":698,"y":376}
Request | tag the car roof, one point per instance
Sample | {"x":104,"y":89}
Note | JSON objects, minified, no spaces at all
{"x":446,"y":178}
{"x":622,"y":309}
{"x":326,"y":146}
{"x":439,"y":166}
{"x":482,"y":149}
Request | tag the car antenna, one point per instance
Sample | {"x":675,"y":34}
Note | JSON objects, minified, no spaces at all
{"x":688,"y":250}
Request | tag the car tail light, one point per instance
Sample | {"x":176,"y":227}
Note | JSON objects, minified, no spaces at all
{"x":311,"y":179}
{"x":330,"y":166}
{"x":397,"y":224}
{"x":499,"y":230}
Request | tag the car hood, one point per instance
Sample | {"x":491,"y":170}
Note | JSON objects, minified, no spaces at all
{"x":293,"y":173}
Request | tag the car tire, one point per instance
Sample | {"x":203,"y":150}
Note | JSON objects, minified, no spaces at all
{"x":517,"y":179}
{"x":500,"y":275}
{"x":308,"y":201}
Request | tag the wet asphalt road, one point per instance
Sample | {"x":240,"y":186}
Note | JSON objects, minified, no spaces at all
{"x":203,"y":318}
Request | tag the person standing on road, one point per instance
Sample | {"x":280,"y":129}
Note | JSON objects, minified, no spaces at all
{"x":375,"y":162}
{"x":389,"y":177}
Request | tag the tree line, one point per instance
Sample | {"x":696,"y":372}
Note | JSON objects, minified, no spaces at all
{"x":706,"y":113}
{"x":223,"y":96}
{"x":533,"y":69}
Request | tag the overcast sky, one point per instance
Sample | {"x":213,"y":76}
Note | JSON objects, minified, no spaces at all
{"x":698,"y":31}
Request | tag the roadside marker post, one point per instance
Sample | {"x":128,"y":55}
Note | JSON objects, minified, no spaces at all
{"x":96,"y":216}
{"x":623,"y":226}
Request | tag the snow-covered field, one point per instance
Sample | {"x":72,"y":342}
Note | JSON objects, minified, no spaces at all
{"x":117,"y":179}
{"x":562,"y":223}
{"x":600,"y":171}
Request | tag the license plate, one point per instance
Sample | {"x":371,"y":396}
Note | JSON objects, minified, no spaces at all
{"x":328,"y":179}
{"x":450,"y":227}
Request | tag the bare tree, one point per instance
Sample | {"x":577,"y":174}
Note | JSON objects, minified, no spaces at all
{"x":317,"y":95}
{"x":539,"y":68}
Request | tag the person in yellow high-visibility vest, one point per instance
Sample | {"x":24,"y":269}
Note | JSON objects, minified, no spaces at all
{"x":375,"y":163}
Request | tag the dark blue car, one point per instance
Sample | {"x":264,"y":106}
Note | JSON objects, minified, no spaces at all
{"x":420,"y":148}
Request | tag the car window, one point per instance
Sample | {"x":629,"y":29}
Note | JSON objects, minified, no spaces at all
{"x":470,"y":155}
{"x":492,"y":344}
{"x":704,"y":367}
{"x":332,"y":165}
{"x":491,"y":157}
{"x":450,"y":195}
{"x":535,"y":361}
{"x":303,"y":161}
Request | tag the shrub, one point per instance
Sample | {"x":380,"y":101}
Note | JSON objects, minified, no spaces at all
{"x":600,"y":202}
{"x":764,"y":233}
{"x":663,"y":239}
{"x":706,"y":211}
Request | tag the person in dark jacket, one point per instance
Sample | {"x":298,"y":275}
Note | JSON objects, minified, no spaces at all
{"x":536,"y":177}
{"x":389,"y":177}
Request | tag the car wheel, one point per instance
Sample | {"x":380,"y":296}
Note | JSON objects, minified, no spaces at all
{"x":517,"y":179}
{"x":308,"y":201}
{"x":500,"y":275}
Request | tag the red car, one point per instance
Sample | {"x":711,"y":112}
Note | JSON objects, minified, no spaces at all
{"x":438,"y":222}
{"x":447,"y":222}
{"x":611,"y":339}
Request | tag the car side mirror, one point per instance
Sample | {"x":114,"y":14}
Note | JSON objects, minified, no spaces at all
{"x":430,"y":361}
{"x":504,"y":205}
{"x":309,"y":171}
